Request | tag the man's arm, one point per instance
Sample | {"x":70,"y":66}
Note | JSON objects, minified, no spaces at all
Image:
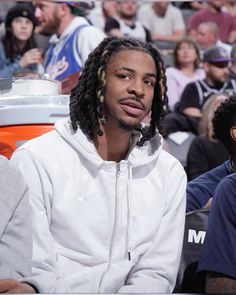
{"x":176,"y":36}
{"x":219,"y":283}
{"x":112,"y":28}
{"x":13,"y":286}
{"x":189,"y":101}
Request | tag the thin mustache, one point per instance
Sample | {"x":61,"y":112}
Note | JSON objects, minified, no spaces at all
{"x":134,"y":98}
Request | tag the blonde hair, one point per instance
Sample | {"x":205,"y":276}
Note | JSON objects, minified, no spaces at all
{"x":208,"y":110}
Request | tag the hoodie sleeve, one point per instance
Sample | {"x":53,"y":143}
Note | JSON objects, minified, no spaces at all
{"x":45,"y":278}
{"x":157,"y":269}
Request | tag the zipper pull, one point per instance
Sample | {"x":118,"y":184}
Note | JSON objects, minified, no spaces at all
{"x":129,"y":254}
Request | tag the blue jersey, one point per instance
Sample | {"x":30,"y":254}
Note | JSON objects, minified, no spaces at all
{"x":202,"y":188}
{"x":61,"y":62}
{"x":219,"y":248}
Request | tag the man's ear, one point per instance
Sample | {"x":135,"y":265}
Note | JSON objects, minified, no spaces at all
{"x":233,"y":133}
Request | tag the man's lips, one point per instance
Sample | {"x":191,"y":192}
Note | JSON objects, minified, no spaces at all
{"x":132,"y":106}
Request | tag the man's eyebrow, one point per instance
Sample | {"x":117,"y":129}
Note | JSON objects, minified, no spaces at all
{"x":133,"y":71}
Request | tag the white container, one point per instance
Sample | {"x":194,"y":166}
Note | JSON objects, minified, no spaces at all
{"x":31,"y":87}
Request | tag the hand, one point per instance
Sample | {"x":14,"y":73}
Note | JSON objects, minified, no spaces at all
{"x":32,"y":56}
{"x":12,"y":286}
{"x":208,"y":204}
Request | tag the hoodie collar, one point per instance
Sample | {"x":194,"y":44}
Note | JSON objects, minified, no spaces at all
{"x":137,"y":156}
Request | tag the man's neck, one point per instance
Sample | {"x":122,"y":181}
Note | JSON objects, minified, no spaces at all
{"x":128,"y":21}
{"x":65,"y":24}
{"x":213,"y":84}
{"x":213,"y":9}
{"x":113,"y":146}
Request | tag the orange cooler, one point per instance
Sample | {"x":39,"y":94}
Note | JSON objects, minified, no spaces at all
{"x":24,"y":118}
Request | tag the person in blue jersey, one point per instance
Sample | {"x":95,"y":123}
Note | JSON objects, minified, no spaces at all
{"x":201,"y":189}
{"x":218,"y":258}
{"x":108,"y":203}
{"x":73,"y":38}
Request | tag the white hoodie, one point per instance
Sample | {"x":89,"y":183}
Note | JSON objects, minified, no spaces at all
{"x":102,"y":226}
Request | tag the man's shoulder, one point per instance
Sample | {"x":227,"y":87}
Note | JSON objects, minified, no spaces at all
{"x":212,"y":176}
{"x":41,"y":143}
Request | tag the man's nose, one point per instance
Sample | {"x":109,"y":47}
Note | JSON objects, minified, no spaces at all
{"x":136,"y":87}
{"x":37,"y":12}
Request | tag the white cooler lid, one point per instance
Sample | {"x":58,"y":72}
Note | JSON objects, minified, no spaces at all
{"x":20,"y":110}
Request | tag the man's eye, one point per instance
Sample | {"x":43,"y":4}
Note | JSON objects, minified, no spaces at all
{"x":150,"y":83}
{"x":124,"y":76}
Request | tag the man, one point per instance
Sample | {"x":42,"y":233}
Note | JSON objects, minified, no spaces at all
{"x":201,"y":189}
{"x":213,"y":13}
{"x":208,"y":36}
{"x":15,"y":227}
{"x":218,"y":252}
{"x":125,"y":24}
{"x":186,"y":118}
{"x":215,"y":63}
{"x":72,"y":41}
{"x":104,"y":193}
{"x":164,"y":21}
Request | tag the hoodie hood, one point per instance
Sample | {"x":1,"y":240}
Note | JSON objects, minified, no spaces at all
{"x":137,"y":156}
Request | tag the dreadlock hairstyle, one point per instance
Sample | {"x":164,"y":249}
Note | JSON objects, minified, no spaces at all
{"x":86,"y":100}
{"x":224,"y":119}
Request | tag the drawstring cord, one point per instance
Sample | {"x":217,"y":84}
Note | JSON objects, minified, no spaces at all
{"x":129,"y":205}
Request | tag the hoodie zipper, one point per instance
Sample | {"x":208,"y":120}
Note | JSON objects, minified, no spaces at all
{"x":114,"y":228}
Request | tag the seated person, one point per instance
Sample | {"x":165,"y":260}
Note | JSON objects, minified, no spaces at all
{"x":164,"y":21}
{"x":219,"y":248}
{"x":18,"y":46}
{"x":188,"y":113}
{"x":15,"y":228}
{"x":125,"y":23}
{"x":205,"y":151}
{"x":201,"y":189}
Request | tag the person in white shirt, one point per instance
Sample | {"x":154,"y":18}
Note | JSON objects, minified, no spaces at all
{"x":108,"y":203}
{"x":164,"y":21}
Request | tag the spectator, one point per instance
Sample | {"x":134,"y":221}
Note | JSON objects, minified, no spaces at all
{"x":15,"y":228}
{"x":215,"y":63}
{"x":164,"y":21}
{"x":201,"y":189}
{"x":96,"y":228}
{"x":186,"y":69}
{"x":187,"y":116}
{"x":72,"y":41}
{"x":213,"y":13}
{"x":125,"y":24}
{"x":18,"y":50}
{"x":208,"y":36}
{"x":206,"y":152}
{"x":99,"y":15}
{"x":218,"y":252}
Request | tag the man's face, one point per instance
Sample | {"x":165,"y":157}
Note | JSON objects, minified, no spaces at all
{"x":205,"y":38}
{"x":216,"y":4}
{"x":217,"y":72}
{"x":129,"y":89}
{"x":160,"y":8}
{"x":46,"y":13}
{"x":127,"y":9}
